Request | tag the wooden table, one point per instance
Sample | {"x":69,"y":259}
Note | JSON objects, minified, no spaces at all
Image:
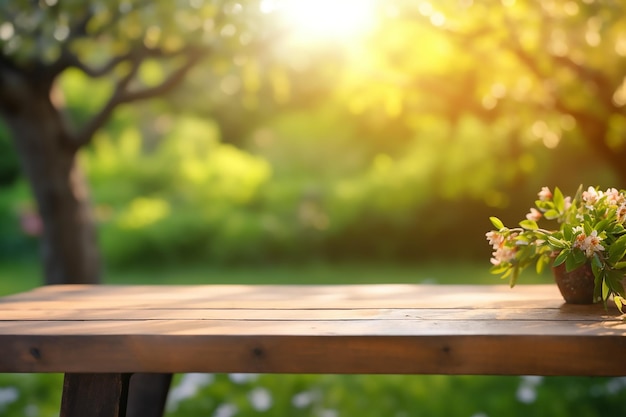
{"x":99,"y":335}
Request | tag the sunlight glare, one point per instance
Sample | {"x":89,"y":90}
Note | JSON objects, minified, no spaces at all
{"x":328,"y":19}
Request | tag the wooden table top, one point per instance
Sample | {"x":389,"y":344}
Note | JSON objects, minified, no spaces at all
{"x":394,"y":329}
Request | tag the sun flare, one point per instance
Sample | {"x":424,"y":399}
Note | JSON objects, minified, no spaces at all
{"x":327,"y":19}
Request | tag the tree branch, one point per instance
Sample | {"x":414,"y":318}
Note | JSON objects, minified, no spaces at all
{"x":122,"y":95}
{"x":593,"y":126}
{"x":70,"y":60}
{"x":86,"y":134}
{"x":591,"y":75}
{"x":174,"y":79}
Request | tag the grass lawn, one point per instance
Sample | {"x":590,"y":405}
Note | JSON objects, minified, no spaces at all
{"x":16,"y":277}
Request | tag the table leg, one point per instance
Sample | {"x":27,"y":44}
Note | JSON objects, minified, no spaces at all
{"x":95,"y":395}
{"x":148,"y":395}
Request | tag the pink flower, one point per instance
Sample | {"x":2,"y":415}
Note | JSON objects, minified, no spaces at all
{"x":495,"y":239}
{"x":588,"y":244}
{"x":591,"y":196}
{"x":534,"y":215}
{"x":545,"y":194}
{"x":503,"y":254}
{"x":613,"y":196}
{"x":568,"y":202}
{"x":621,"y":213}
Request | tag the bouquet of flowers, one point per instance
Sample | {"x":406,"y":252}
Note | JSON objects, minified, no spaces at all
{"x":587,"y":230}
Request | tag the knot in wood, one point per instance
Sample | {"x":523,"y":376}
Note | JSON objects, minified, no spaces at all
{"x":258,"y":352}
{"x":35,"y":353}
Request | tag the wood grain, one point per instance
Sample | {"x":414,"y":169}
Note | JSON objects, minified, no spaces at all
{"x":94,"y":395}
{"x":309,"y":329}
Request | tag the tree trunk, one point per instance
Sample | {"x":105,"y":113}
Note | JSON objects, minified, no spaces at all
{"x":68,"y":242}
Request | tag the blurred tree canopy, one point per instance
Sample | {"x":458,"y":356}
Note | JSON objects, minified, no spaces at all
{"x":118,"y":42}
{"x":363,"y":129}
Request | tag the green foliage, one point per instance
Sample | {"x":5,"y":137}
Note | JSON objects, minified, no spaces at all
{"x":176,"y":193}
{"x":367,"y":395}
{"x":30,"y":394}
{"x":14,"y":203}
{"x":380,"y":146}
{"x":189,"y":198}
{"x":309,"y":395}
{"x":40,"y":32}
{"x":75,"y":85}
{"x":15,"y":208}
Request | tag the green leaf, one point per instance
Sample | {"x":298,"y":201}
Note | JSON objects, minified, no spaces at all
{"x":596,"y":262}
{"x":597,"y":285}
{"x":619,"y":265}
{"x":568,"y":234}
{"x":497,"y":223}
{"x":614,"y":282}
{"x":557,"y":243}
{"x":529,"y":224}
{"x":507,"y":273}
{"x":499,"y":269}
{"x":575,"y":259}
{"x":551,"y":214}
{"x":597,"y":273}
{"x":579,"y":192}
{"x":602,"y":225}
{"x":559,"y":201}
{"x":561,"y":257}
{"x":542,"y":261}
{"x":544,"y":205}
{"x":617,"y":250}
{"x":619,"y":302}
{"x":605,"y":290}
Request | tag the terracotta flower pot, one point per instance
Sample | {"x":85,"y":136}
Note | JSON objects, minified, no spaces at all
{"x":576,"y":286}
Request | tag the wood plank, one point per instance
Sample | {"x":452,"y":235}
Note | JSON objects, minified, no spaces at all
{"x":569,"y":313}
{"x":329,"y":347}
{"x":94,"y":395}
{"x":490,"y":355}
{"x":148,"y":395}
{"x":286,"y":297}
{"x":366,"y":327}
{"x":327,"y":329}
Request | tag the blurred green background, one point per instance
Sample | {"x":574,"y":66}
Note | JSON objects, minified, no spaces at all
{"x":328,"y":142}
